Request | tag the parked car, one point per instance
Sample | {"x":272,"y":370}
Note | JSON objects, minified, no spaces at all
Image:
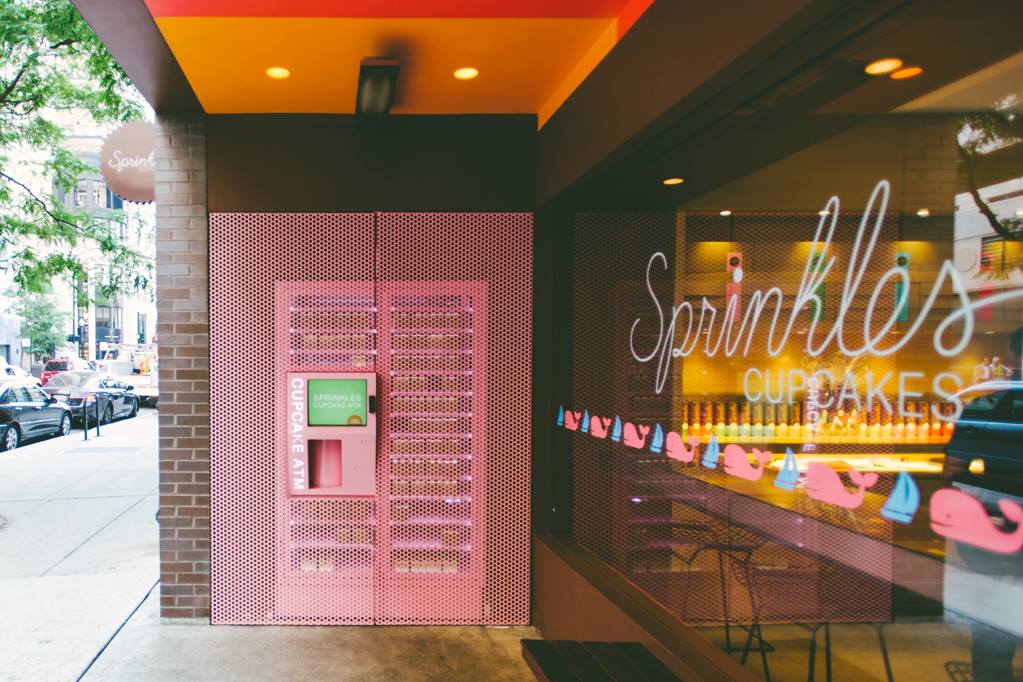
{"x":26,"y":411}
{"x":13,"y":372}
{"x":64,"y":365}
{"x":986,"y":448}
{"x":98,"y":391}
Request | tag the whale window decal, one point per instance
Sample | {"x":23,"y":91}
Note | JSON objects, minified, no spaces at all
{"x":599,"y":426}
{"x":678,"y":448}
{"x":825,"y":484}
{"x":737,"y":462}
{"x":958,"y":516}
{"x":635,"y":435}
{"x":572,"y":420}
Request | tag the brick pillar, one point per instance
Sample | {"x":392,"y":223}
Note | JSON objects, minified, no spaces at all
{"x":182,"y":303}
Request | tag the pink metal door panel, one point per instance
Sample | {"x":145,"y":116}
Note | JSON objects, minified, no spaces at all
{"x":433,"y":358}
{"x":248,"y":506}
{"x":494,"y":249}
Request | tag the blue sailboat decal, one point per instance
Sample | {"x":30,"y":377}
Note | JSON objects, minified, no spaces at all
{"x":657,"y":442}
{"x":904,"y":500}
{"x":584,"y":427}
{"x":711,"y":454}
{"x":616,"y":430}
{"x":561,"y":415}
{"x":789,"y":472}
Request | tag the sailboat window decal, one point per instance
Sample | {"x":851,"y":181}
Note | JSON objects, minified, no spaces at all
{"x":789,"y":472}
{"x":904,"y":501}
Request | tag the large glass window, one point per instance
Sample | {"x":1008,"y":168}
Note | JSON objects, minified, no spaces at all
{"x":795,"y":411}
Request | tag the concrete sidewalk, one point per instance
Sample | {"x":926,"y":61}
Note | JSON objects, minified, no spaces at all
{"x":154,"y":651}
{"x":80,"y":547}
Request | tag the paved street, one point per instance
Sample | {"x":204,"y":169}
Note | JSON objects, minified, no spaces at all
{"x":79,"y":550}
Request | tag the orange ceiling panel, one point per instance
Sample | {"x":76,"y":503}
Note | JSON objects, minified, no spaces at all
{"x":531,"y":54}
{"x":457,"y":9}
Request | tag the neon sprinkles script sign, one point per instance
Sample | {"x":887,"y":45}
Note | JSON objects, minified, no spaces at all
{"x":681,"y":330}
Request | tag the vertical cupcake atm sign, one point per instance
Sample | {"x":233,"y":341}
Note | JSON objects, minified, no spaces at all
{"x":881,"y":406}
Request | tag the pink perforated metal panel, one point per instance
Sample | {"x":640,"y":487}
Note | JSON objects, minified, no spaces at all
{"x":250,"y":519}
{"x":493,"y":251}
{"x":446,"y":540}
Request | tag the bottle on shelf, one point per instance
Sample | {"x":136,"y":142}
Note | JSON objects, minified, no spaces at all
{"x":758,"y":420}
{"x":769,"y":420}
{"x":696,"y":424}
{"x":733,"y":418}
{"x":720,"y":427}
{"x":745,"y":427}
{"x":782,"y":420}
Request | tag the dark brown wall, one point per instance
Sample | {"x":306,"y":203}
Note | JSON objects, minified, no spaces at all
{"x":402,"y":163}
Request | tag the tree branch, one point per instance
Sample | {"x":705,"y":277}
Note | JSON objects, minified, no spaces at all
{"x":14,"y":83}
{"x":971,"y":181}
{"x":46,"y":209}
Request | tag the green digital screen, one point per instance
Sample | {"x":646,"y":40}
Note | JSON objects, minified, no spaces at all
{"x":337,"y":402}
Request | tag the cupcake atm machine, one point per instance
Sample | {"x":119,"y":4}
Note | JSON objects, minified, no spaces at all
{"x":382,"y":451}
{"x":331,"y":433}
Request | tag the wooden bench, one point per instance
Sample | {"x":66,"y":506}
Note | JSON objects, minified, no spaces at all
{"x":558,"y":661}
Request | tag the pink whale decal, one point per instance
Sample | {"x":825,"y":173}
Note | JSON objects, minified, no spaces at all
{"x":572,"y":420}
{"x":675,"y":447}
{"x":635,"y":436}
{"x":825,"y":484}
{"x":958,"y":516}
{"x":599,"y":426}
{"x":738,"y":464}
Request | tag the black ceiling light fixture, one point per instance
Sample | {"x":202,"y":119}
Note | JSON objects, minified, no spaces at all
{"x":378,"y":77}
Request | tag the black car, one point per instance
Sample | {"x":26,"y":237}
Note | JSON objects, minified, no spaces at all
{"x":103,"y":394}
{"x":986,"y":447}
{"x":26,"y":411}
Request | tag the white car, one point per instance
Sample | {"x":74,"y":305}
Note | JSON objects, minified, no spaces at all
{"x":12,"y":372}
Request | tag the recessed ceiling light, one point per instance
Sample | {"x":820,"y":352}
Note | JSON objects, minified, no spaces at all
{"x":278,"y":72}
{"x":1019,"y":212}
{"x":672,"y":181}
{"x":881,"y":67}
{"x":466,"y":73}
{"x":823,"y":212}
{"x":726,"y":212}
{"x":907,"y":72}
{"x":924,"y":212}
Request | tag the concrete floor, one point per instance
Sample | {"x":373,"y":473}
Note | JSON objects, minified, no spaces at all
{"x":151,"y":650}
{"x":79,"y":553}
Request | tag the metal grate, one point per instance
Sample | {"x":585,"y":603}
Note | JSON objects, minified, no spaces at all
{"x":446,"y":539}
